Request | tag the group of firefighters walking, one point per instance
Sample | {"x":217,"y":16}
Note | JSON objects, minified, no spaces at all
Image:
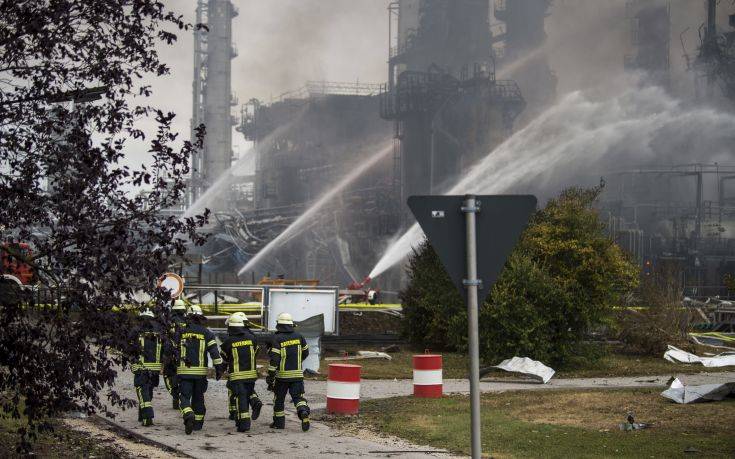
{"x":182,"y":354}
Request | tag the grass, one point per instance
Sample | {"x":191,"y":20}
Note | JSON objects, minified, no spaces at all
{"x":455,"y":366}
{"x":616,"y":364}
{"x":63,"y":442}
{"x":559,"y":424}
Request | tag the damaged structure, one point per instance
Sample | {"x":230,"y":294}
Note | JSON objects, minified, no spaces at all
{"x":442,"y":109}
{"x":677,"y":222}
{"x":461,"y":75}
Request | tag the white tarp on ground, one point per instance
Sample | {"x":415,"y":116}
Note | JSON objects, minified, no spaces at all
{"x":676,"y":355}
{"x":681,"y":393}
{"x":527,"y":367}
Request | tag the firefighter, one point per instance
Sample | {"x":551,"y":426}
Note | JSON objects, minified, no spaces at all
{"x":239,"y":350}
{"x":178,"y":321}
{"x":195,"y":341}
{"x":148,"y":367}
{"x":285,"y":374}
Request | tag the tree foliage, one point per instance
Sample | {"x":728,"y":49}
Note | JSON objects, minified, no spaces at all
{"x":559,"y":284}
{"x":66,"y":191}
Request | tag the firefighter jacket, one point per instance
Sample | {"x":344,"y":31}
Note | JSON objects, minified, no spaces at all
{"x":178,"y":321}
{"x":149,"y":340}
{"x":195,"y":342}
{"x":170,"y":360}
{"x":239,"y":350}
{"x":288,"y":351}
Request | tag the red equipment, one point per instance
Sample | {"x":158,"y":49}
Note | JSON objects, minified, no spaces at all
{"x":14,"y":266}
{"x":357,"y":292}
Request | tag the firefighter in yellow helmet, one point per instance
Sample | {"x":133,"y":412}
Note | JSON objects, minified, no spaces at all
{"x":195,"y":342}
{"x":148,"y":367}
{"x":238,"y":351}
{"x":170,"y":361}
{"x":285,"y":374}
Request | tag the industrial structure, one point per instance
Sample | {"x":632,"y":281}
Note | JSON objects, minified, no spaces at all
{"x":448,"y":108}
{"x":650,"y":43}
{"x":677,"y":220}
{"x":715,"y":62}
{"x":212,"y":98}
{"x":442,"y":110}
{"x":461,"y":74}
{"x":519,"y":40}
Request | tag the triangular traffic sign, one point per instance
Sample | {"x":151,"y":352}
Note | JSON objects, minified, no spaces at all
{"x":499,"y":223}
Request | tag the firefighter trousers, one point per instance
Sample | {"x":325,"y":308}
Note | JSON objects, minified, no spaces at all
{"x":172,"y":384}
{"x":191,"y":398}
{"x":242,"y":396}
{"x":144,"y":382}
{"x":296,"y":389}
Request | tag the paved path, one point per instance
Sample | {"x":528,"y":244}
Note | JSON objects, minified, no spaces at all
{"x":219,"y":439}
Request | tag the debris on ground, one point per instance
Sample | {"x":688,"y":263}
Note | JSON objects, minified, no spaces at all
{"x":527,"y":367}
{"x":717,"y":340}
{"x":630,"y":424}
{"x":681,"y":393}
{"x":676,"y":355}
{"x":392,"y":349}
{"x":361,"y":355}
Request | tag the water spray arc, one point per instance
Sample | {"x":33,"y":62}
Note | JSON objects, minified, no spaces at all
{"x":299,"y":224}
{"x":580,"y":135}
{"x":244,"y":165}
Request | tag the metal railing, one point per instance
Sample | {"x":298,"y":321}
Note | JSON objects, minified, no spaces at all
{"x":329,"y":88}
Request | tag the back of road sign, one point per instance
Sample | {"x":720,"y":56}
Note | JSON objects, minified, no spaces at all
{"x":500,"y":220}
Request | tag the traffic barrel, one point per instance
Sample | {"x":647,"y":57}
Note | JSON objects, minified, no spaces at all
{"x":427,"y":376}
{"x":343,"y":388}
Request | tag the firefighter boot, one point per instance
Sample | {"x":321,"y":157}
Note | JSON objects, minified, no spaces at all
{"x":279,"y":422}
{"x":198,"y":425}
{"x":257,"y":406}
{"x":147,"y":422}
{"x":243,"y":425}
{"x":233,"y":415}
{"x":303,"y":414}
{"x":189,"y":423}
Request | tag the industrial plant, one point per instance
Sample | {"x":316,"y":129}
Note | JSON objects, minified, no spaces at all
{"x":462,"y":78}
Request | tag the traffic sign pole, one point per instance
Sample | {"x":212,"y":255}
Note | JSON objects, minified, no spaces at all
{"x":458,"y":232}
{"x":472,"y":283}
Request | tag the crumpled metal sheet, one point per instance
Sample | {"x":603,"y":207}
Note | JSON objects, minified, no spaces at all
{"x":312,"y":330}
{"x":676,"y":355}
{"x":527,"y":367}
{"x":681,"y":393}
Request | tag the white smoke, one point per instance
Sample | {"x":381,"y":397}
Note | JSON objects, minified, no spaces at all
{"x":582,"y":137}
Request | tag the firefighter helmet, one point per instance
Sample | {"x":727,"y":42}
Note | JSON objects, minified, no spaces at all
{"x":195,"y":310}
{"x":284,"y":318}
{"x":236,"y":320}
{"x":146,"y":313}
{"x":179,"y":305}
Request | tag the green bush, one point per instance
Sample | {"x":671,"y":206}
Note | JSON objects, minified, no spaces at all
{"x":559,"y":284}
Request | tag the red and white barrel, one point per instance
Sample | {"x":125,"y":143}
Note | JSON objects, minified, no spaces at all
{"x":427,"y":376}
{"x":343,"y":388}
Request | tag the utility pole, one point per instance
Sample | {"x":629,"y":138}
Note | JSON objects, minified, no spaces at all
{"x":470,"y":208}
{"x":473,"y":247}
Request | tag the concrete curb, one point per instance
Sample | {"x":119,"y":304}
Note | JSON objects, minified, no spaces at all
{"x":115,"y":427}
